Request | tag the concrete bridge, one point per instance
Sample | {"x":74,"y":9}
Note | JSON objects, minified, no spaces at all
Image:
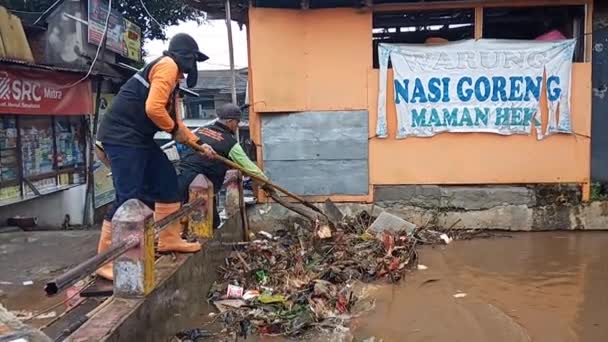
{"x":167,"y":293}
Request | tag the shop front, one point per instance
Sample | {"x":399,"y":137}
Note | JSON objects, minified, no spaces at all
{"x":43,"y":143}
{"x":334,"y":116}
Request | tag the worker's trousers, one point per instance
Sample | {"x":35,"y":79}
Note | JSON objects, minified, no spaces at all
{"x":142,"y":173}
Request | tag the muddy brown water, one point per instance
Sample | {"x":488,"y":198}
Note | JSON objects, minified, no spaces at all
{"x":531,"y":287}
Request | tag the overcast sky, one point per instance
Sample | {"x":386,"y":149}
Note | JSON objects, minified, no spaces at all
{"x":212,"y":39}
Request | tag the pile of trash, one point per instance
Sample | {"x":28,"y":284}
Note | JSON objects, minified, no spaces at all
{"x":298,"y":278}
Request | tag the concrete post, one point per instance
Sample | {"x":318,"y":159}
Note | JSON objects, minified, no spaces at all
{"x":12,"y":329}
{"x":134,"y":270}
{"x":200,"y":221}
{"x":232,"y":193}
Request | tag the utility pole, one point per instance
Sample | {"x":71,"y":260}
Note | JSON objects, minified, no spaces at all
{"x":231,"y":54}
{"x":231,"y":50}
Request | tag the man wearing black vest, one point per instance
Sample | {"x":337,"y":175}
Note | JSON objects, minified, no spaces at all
{"x":220,"y":137}
{"x":146,"y":104}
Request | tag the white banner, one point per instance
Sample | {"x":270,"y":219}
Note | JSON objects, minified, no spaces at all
{"x":485,"y":85}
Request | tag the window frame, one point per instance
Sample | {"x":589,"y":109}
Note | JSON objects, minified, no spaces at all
{"x":471,"y":11}
{"x":479,"y":13}
{"x":57,"y":172}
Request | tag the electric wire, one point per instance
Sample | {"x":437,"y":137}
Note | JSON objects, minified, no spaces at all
{"x":47,"y":11}
{"x":149,"y":14}
{"x":99,"y":47}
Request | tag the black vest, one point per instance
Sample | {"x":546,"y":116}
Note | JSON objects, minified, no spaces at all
{"x":191,"y":163}
{"x":126,"y":123}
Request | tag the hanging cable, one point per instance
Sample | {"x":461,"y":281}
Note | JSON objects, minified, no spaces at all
{"x":150,"y":15}
{"x":101,"y":43}
{"x":52,"y":7}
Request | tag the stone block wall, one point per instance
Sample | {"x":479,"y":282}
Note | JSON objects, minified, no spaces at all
{"x":516,"y":208}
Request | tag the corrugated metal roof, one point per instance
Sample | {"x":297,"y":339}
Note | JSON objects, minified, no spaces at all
{"x":104,"y":69}
{"x":215,"y":8}
{"x":331,"y":3}
{"x":37,"y":19}
{"x":28,"y":19}
{"x":221,"y":80}
{"x":39,"y":66}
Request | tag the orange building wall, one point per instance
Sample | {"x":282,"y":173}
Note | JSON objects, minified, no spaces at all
{"x":483,"y":158}
{"x":322,"y":60}
{"x":309,"y":60}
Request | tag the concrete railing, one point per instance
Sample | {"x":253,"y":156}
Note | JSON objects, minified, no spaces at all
{"x":134,"y":232}
{"x":134,"y":269}
{"x":167,"y":294}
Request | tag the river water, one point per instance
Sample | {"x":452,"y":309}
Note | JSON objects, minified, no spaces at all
{"x":549,"y":286}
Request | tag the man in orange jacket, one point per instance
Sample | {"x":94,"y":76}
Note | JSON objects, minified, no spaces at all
{"x":146,"y":104}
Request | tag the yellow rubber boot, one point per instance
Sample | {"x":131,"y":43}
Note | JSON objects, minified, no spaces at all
{"x":105,"y":242}
{"x":170,"y":239}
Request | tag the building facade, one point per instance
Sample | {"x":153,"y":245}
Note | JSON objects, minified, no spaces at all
{"x":47,"y":114}
{"x":315,"y":101}
{"x":215,"y":89}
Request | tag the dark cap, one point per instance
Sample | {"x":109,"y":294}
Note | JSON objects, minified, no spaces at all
{"x":229,"y":111}
{"x":184,"y":43}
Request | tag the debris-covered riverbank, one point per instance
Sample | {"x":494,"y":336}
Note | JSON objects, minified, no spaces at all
{"x":293,"y":281}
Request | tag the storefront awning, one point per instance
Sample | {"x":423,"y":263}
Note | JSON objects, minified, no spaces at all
{"x":27,"y":91}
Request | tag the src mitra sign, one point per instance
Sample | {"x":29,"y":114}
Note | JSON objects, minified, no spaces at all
{"x":43,"y":93}
{"x":486,"y":85}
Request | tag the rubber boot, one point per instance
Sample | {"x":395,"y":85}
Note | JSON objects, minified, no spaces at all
{"x":170,"y":239}
{"x":105,"y":242}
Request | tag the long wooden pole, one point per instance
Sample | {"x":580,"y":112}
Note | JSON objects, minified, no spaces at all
{"x":261,"y":180}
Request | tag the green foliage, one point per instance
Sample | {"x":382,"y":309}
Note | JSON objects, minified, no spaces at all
{"x":167,"y":13}
{"x":597,"y":193}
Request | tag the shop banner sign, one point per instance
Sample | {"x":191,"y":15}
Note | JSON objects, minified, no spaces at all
{"x":40,"y":92}
{"x":104,"y":187}
{"x":123,"y":36}
{"x":486,"y":85}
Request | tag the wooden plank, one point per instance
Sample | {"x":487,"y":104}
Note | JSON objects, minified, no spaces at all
{"x":473,"y":4}
{"x":588,"y":32}
{"x":2,"y":49}
{"x":13,"y":37}
{"x":5,"y":33}
{"x":478,"y":22}
{"x":23,"y":47}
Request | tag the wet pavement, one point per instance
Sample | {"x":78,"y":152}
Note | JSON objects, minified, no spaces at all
{"x":550,"y":286}
{"x":29,"y":259}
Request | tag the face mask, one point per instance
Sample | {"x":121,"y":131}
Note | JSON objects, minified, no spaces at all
{"x":187,"y":65}
{"x":192,"y":78}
